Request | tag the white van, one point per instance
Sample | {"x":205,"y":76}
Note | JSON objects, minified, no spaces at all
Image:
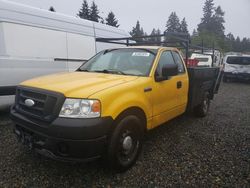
{"x":236,"y":67}
{"x":36,"y":42}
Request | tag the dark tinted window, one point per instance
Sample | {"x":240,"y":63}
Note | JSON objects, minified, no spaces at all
{"x":166,"y":58}
{"x":179,"y":62}
{"x":238,"y":60}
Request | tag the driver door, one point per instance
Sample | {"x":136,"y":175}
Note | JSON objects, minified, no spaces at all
{"x":165,"y":93}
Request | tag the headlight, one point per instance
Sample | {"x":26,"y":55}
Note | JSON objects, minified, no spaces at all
{"x":81,"y":108}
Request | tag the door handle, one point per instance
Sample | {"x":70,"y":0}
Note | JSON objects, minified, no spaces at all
{"x":147,"y":89}
{"x":179,"y":84}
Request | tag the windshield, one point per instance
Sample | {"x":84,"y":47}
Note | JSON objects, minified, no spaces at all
{"x":129,"y":61}
{"x":238,"y":60}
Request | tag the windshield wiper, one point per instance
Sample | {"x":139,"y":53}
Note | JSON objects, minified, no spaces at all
{"x":112,"y":71}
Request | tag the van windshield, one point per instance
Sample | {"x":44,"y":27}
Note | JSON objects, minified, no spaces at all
{"x":127,"y":61}
{"x":238,"y":60}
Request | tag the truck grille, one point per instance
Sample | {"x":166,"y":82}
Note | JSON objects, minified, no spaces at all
{"x":46,"y":106}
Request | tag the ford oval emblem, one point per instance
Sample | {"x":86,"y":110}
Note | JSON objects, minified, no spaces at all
{"x":29,"y":102}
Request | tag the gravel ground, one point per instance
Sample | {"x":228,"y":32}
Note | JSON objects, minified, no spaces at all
{"x":212,"y":151}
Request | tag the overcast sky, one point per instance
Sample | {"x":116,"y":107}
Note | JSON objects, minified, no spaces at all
{"x":155,"y":13}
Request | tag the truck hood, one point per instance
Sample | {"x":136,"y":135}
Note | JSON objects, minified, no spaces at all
{"x":78,"y":84}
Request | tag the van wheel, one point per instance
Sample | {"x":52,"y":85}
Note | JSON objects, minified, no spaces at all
{"x":125,"y":143}
{"x":202,"y":109}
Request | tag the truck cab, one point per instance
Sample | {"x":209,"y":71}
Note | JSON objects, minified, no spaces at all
{"x":106,"y":106}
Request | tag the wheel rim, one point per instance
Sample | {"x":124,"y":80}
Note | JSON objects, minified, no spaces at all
{"x":205,"y":105}
{"x":128,"y":147}
{"x":127,"y":143}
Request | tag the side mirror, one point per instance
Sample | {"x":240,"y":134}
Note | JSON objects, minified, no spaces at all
{"x":169,"y":70}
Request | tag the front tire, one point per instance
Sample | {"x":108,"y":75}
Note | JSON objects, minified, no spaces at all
{"x":125,"y":143}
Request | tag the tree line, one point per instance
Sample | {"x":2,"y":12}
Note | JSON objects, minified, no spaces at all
{"x":210,"y":31}
{"x":173,"y":25}
{"x":92,"y":13}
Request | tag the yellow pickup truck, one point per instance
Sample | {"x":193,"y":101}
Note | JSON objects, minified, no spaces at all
{"x":105,"y":107}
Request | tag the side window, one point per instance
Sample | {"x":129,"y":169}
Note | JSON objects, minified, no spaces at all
{"x":166,"y":58}
{"x":179,"y":62}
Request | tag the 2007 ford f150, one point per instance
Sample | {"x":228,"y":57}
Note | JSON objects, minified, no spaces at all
{"x":106,"y":106}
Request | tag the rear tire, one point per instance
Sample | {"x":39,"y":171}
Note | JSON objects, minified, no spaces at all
{"x":202,"y":109}
{"x":125,"y":143}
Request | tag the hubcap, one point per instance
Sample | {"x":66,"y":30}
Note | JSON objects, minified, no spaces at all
{"x":128,"y":147}
{"x":205,"y":105}
{"x":127,"y":143}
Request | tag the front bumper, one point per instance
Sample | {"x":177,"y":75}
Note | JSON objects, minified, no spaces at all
{"x":64,"y":139}
{"x":241,"y":76}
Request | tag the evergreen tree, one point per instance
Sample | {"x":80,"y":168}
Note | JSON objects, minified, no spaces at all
{"x":218,"y":21}
{"x":52,"y":9}
{"x":153,"y":32}
{"x":183,"y":26}
{"x":111,"y":20}
{"x":229,"y":42}
{"x":158,"y":32}
{"x":173,"y":23}
{"x":84,"y":12}
{"x":207,"y":20}
{"x":153,"y":39}
{"x":211,"y":28}
{"x":245,"y":44}
{"x":94,"y":13}
{"x":102,"y":21}
{"x":195,"y":33}
{"x":195,"y":39}
{"x":137,"y":31}
{"x":156,"y":40}
{"x":237,"y":45}
{"x":230,"y":36}
{"x":213,"y":19}
{"x":145,"y":34}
